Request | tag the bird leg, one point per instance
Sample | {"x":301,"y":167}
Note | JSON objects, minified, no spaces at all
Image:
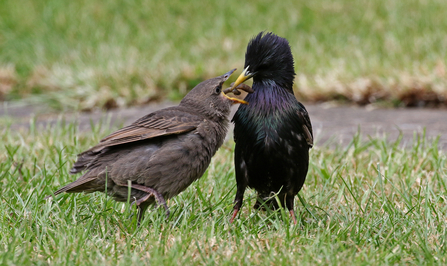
{"x":139,"y":201}
{"x":234,"y":215}
{"x":292,"y":215}
{"x":289,"y":204}
{"x":238,"y":201}
{"x":151,"y":192}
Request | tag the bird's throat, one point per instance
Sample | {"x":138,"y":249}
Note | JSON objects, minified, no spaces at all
{"x":268,"y":97}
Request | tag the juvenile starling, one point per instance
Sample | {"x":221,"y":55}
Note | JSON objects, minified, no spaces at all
{"x":273,"y":134}
{"x":160,"y":154}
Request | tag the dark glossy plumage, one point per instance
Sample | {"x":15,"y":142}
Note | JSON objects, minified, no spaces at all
{"x":162,"y":153}
{"x":273,"y":134}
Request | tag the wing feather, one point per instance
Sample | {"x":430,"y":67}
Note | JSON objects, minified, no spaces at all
{"x":307,"y":126}
{"x":164,"y":122}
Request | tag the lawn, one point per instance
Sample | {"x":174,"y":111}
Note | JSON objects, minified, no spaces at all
{"x":373,"y":202}
{"x":90,"y":54}
{"x":376,"y":201}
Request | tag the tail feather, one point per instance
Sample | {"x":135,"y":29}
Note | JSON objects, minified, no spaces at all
{"x":83,"y":161}
{"x":87,"y":160}
{"x":73,"y":185}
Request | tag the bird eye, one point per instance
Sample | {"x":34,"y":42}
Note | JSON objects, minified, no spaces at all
{"x":218,"y":89}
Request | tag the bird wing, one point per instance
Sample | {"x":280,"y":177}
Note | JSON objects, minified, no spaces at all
{"x":147,"y":127}
{"x":165,"y":122}
{"x":307,"y":126}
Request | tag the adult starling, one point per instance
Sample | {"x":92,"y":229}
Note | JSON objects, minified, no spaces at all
{"x":273,"y":134}
{"x":160,"y":154}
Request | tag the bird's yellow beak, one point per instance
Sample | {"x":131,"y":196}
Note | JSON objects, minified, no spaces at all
{"x":234,"y":100}
{"x":242,"y":77}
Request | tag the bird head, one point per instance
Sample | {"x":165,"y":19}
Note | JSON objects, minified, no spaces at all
{"x":268,"y":59}
{"x":208,"y":97}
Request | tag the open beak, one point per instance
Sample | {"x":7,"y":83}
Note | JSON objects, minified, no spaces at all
{"x":234,"y":100}
{"x":228,"y":74}
{"x":242,"y":77}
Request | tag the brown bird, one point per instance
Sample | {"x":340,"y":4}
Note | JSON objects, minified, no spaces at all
{"x":160,"y":154}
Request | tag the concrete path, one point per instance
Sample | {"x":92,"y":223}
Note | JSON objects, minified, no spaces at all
{"x":331,"y":124}
{"x":341,"y":123}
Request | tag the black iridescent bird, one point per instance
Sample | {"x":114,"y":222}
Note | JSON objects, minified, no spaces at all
{"x":273,"y":134}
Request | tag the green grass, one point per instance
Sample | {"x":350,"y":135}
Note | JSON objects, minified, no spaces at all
{"x":89,"y":54}
{"x":374,"y":202}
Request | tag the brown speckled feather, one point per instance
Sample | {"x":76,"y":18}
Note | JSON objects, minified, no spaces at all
{"x":173,"y":120}
{"x":169,"y":121}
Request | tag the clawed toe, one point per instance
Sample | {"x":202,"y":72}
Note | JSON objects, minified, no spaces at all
{"x":150,"y":192}
{"x":141,"y":200}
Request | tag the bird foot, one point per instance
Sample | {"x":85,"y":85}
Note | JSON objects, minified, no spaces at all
{"x":234,"y":215}
{"x":141,"y":200}
{"x":151,"y":192}
{"x":292,"y":215}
